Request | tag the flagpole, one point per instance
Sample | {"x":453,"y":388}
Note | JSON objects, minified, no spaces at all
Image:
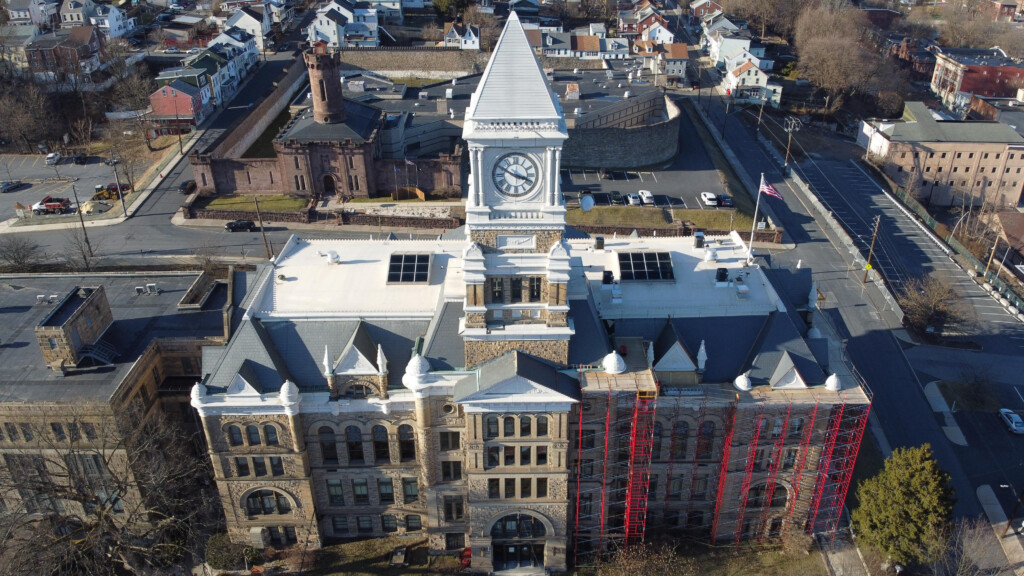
{"x":750,"y":244}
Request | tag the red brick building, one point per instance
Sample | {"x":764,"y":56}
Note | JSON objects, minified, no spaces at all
{"x":1002,"y":10}
{"x":65,"y":51}
{"x":701,"y":8}
{"x":961,"y":72}
{"x":176,"y":109}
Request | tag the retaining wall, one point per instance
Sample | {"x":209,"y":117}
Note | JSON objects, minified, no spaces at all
{"x":624,"y":148}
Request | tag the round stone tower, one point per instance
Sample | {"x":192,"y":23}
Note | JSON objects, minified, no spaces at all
{"x":325,"y":84}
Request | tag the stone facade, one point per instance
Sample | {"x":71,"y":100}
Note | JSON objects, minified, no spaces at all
{"x":78,"y":320}
{"x":488,"y":240}
{"x":555,"y":351}
{"x":619,"y":147}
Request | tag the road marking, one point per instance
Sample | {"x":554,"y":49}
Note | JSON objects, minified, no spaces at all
{"x":653,"y":175}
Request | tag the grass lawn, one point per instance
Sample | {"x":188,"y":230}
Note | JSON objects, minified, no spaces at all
{"x":276,"y":203}
{"x":625,"y":216}
{"x":970,"y":396}
{"x":715,"y":219}
{"x":762,"y":562}
{"x":371,"y":558}
{"x":263,"y":147}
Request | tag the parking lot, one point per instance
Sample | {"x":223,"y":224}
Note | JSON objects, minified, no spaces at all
{"x":676,"y":184}
{"x":42,"y":180}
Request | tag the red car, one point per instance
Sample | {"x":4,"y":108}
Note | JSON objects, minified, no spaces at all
{"x":113,"y":187}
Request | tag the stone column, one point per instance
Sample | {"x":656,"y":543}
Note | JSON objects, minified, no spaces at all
{"x":478,"y":177}
{"x":559,"y":200}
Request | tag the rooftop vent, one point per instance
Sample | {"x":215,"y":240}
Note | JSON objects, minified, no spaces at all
{"x":722,"y":275}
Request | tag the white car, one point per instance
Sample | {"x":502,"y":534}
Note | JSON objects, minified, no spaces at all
{"x":709,"y":199}
{"x":172,"y":51}
{"x":647,"y":197}
{"x":633,"y":199}
{"x":53,"y":158}
{"x":1012,"y":420}
{"x":193,"y":51}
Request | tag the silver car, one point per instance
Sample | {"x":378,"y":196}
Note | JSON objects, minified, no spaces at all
{"x":1012,"y":420}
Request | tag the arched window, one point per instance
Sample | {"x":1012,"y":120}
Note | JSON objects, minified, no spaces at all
{"x":542,"y":425}
{"x":235,"y":435}
{"x":328,"y":445}
{"x":381,"y":449}
{"x":270,"y":432}
{"x":779,"y":496}
{"x":656,"y":449}
{"x":515,"y":526}
{"x":491,"y":427}
{"x":525,"y":426}
{"x":510,"y":427}
{"x":253,"y":432}
{"x":354,"y":442}
{"x":358,"y":391}
{"x":706,"y":440}
{"x":406,"y":443}
{"x":267,"y":502}
{"x":680,"y":438}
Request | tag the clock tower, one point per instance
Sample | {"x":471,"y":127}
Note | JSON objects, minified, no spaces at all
{"x":516,"y":267}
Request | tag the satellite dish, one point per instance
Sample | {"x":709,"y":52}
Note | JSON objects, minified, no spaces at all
{"x":587,"y":203}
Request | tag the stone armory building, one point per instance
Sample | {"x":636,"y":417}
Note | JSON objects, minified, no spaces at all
{"x":521,"y":390}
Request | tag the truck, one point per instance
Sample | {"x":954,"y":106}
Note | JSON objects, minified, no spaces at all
{"x":52,"y":205}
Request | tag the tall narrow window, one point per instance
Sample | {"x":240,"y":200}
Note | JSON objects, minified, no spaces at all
{"x":386,"y":489}
{"x":510,"y":427}
{"x":335,"y":493}
{"x":406,"y":443}
{"x":276,"y":466}
{"x":656,"y":449}
{"x":542,"y":487}
{"x":328,"y":446}
{"x":535,"y":289}
{"x":542,"y":425}
{"x":354,"y":443}
{"x":253,"y":432}
{"x":491,"y":427}
{"x":360,"y":492}
{"x":381,"y":450}
{"x":323,"y":90}
{"x":234,"y":435}
{"x":517,"y":290}
{"x":410,"y":490}
{"x":706,"y":440}
{"x":497,"y":290}
{"x":525,"y":424}
{"x":270,"y":432}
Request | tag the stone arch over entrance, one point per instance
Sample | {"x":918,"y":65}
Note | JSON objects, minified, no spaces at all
{"x":518,"y":540}
{"x":329,"y":185}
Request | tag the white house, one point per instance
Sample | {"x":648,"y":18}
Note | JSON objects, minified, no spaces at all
{"x":111,"y":21}
{"x":18,"y":12}
{"x":359,"y":30}
{"x":255,"y":21}
{"x":389,"y":11}
{"x":461,"y":36}
{"x":724,"y":44}
{"x":614,"y":48}
{"x":747,"y":83}
{"x":658,"y":32}
{"x":77,"y":12}
{"x":328,"y":27}
{"x":674,"y":58}
{"x":245,"y":55}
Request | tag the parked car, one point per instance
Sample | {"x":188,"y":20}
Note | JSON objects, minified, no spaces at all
{"x":187,"y":187}
{"x":193,"y":51}
{"x":79,"y":159}
{"x":633,"y":199}
{"x":53,"y":158}
{"x":1012,"y":420}
{"x":11,"y":186}
{"x":647,"y":197}
{"x":617,"y":198}
{"x":709,"y":199}
{"x":172,"y":50}
{"x":112,"y":160}
{"x":176,"y":7}
{"x":125,"y":187}
{"x":240,"y":226}
{"x":725,"y":200}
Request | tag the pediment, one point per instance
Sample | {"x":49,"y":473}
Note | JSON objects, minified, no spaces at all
{"x":516,"y":389}
{"x":675,"y":359}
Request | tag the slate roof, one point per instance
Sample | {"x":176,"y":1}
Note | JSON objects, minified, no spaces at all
{"x":780,"y":347}
{"x":336,"y":17}
{"x":590,"y":342}
{"x":360,"y":122}
{"x":513,"y":85}
{"x":252,"y":354}
{"x":516,"y":365}
{"x":918,"y":125}
{"x":443,"y":345}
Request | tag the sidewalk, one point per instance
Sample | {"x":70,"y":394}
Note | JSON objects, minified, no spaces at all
{"x":1011,"y":543}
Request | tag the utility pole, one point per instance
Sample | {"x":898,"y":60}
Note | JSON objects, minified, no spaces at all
{"x":990,"y":257}
{"x":871,"y":251}
{"x":792,"y":125}
{"x":81,"y":220}
{"x":177,"y":127}
{"x":726,"y":117}
{"x":263,"y":230}
{"x":760,"y":113}
{"x":1012,"y":515}
{"x":120,"y":195}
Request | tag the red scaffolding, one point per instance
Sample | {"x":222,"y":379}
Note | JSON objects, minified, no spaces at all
{"x":748,"y":472}
{"x":841,"y":468}
{"x":641,"y":445}
{"x":805,"y":444}
{"x":774,"y":461}
{"x":835,"y":422}
{"x":701,"y":414}
{"x":730,"y":420}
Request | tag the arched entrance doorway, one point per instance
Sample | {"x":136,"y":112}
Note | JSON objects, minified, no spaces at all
{"x":328,"y":185}
{"x":518,"y":542}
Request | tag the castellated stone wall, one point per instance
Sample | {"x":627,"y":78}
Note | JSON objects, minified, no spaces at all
{"x":622,"y":148}
{"x":556,"y":351}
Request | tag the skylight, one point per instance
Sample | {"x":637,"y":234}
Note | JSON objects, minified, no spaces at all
{"x":407,"y":268}
{"x":645,"y":266}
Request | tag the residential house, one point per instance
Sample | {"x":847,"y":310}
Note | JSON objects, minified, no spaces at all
{"x":946,"y":162}
{"x":724,"y":44}
{"x":913,"y":54}
{"x":44,"y":13}
{"x":427,"y":4}
{"x":18,"y":12}
{"x":1002,"y":10}
{"x":586,"y":47}
{"x":961,"y":72}
{"x":648,"y":54}
{"x":674,"y":58}
{"x":557,"y":45}
{"x":746,"y":83}
{"x":536,"y":40}
{"x":460,"y":36}
{"x":388,"y":11}
{"x":111,"y":21}
{"x":255,"y":21}
{"x":701,"y":8}
{"x":328,"y":28}
{"x":360,"y":29}
{"x":65,"y":52}
{"x":77,"y":12}
{"x":614,"y":48}
{"x":627,"y":22}
{"x":244,"y":53}
{"x":177,"y":108}
{"x":716,"y":21}
{"x":656,"y":29}
{"x":221,"y":72}
{"x":197,"y":77}
{"x":755,"y":55}
{"x":13,"y":40}
{"x":593,"y":29}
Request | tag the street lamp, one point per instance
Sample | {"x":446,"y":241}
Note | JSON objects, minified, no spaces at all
{"x":793,"y":124}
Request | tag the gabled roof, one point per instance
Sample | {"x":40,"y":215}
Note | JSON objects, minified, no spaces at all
{"x":535,"y":37}
{"x":516,"y":378}
{"x":81,"y":34}
{"x":250,"y":354}
{"x":335,"y":16}
{"x":744,"y":67}
{"x":184,"y":87}
{"x":513,"y":85}
{"x":781,"y":350}
{"x":677,"y":51}
{"x":360,"y":354}
{"x":586,"y":43}
{"x":670,"y":355}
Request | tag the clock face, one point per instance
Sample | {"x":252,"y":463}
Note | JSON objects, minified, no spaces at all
{"x":516,"y":175}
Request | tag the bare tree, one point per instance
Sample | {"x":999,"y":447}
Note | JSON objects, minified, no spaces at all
{"x":432,"y":33}
{"x":933,"y":303}
{"x":969,"y":550}
{"x":127,"y":140}
{"x":19,"y":253}
{"x":835,"y":52}
{"x":648,"y":559}
{"x":99,"y":494}
{"x":79,"y":250}
{"x":486,"y":22}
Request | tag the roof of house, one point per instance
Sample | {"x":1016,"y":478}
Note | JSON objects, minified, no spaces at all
{"x":994,"y":57}
{"x":677,"y":51}
{"x":586,"y":43}
{"x":743,"y":68}
{"x":335,"y":16}
{"x":81,"y":34}
{"x":535,"y":37}
{"x":20,"y":5}
{"x":183,"y":87}
{"x":920,"y":125}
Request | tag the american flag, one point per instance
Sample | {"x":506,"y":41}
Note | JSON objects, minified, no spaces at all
{"x":768,"y":189}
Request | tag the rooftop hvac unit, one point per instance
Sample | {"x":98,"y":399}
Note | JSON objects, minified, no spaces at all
{"x":53,"y":298}
{"x":449,"y":93}
{"x":722,"y":275}
{"x":41,"y":299}
{"x":140,"y":290}
{"x":152,"y":289}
